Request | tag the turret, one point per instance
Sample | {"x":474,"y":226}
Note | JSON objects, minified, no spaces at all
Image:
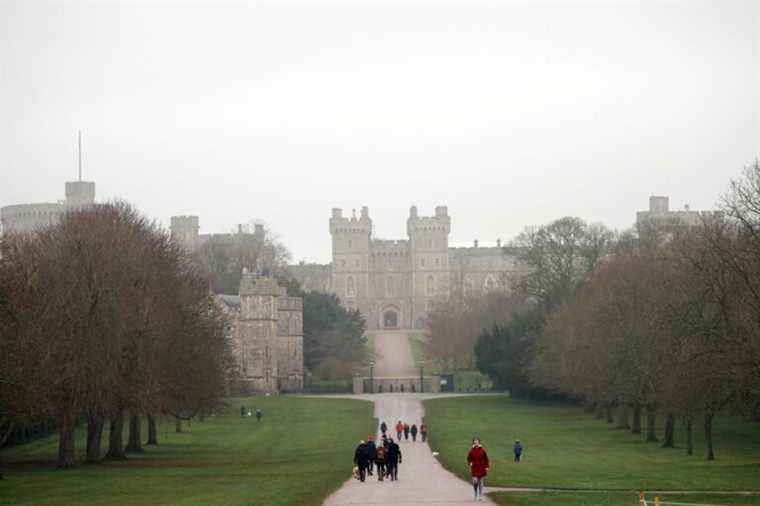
{"x":184,"y":230}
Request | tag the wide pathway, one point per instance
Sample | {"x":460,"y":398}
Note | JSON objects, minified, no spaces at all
{"x":393,"y":354}
{"x":422,"y":479}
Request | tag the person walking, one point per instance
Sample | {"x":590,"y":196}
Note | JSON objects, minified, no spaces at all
{"x":423,"y":431}
{"x":399,"y":430}
{"x":259,"y":414}
{"x":414,"y":432}
{"x":380,"y":461}
{"x":370,"y":454}
{"x":477,"y":459}
{"x":360,"y":460}
{"x":383,"y":428}
{"x":406,"y":431}
{"x":393,"y":456}
{"x":518,"y":449}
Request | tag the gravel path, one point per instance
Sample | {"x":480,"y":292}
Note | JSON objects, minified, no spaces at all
{"x":421,"y":479}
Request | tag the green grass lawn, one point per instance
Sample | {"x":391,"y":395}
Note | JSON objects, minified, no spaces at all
{"x":298,"y":454}
{"x":566,"y":447}
{"x":614,"y":499}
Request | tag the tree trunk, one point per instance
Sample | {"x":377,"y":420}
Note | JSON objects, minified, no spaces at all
{"x":689,"y":437}
{"x":134,"y":441}
{"x":651,"y":425}
{"x":94,"y":436}
{"x":152,"y":431}
{"x":599,"y":411}
{"x":670,"y":431}
{"x":66,"y":441}
{"x":636,"y":423}
{"x":177,"y":425}
{"x":115,"y":439}
{"x":623,"y":417}
{"x":608,"y":413}
{"x":709,"y":436}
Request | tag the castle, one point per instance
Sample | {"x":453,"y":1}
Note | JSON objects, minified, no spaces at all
{"x":30,"y":217}
{"x":265,"y":327}
{"x":395,"y":283}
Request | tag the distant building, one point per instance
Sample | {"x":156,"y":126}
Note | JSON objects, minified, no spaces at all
{"x":31,"y":217}
{"x":661,"y":220}
{"x":265,"y":327}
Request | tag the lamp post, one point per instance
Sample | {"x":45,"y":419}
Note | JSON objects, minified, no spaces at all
{"x":422,"y":378}
{"x":372,"y":377}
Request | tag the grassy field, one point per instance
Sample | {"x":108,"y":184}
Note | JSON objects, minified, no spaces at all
{"x":566,"y":447}
{"x":614,"y":499}
{"x":298,"y":454}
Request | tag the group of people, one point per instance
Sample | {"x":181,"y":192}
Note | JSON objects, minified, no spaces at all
{"x":384,"y":457}
{"x":403,"y":429}
{"x":244,"y":411}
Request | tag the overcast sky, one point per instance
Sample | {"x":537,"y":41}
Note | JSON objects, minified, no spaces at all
{"x":512,"y":114}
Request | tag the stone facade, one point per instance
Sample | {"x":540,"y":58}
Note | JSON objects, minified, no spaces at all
{"x":660,"y":219}
{"x":395,"y":283}
{"x":30,"y":217}
{"x":266,"y":331}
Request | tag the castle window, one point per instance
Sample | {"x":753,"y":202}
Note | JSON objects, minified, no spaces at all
{"x":422,"y":262}
{"x":430,"y":243}
{"x":350,"y":243}
{"x":430,"y":288}
{"x":350,"y":287}
{"x":490,"y":284}
{"x":437,"y":262}
{"x":357,"y":263}
{"x":390,"y":287}
{"x":342,"y":263}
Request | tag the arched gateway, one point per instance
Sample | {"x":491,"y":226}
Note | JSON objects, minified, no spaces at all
{"x":390,"y":317}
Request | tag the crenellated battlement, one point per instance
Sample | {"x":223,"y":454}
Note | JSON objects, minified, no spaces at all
{"x":439,"y":223}
{"x":353,"y":225}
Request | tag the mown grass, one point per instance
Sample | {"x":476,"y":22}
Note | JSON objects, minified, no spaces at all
{"x":614,"y":499}
{"x":298,"y":454}
{"x":566,"y":447}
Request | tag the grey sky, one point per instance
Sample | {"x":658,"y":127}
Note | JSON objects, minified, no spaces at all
{"x":510,"y":113}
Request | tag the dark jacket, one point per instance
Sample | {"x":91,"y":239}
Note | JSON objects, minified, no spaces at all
{"x":414,"y":429}
{"x":361,"y":458}
{"x":383,"y":428}
{"x":370,"y":447}
{"x":518,"y":449}
{"x":394,"y":453}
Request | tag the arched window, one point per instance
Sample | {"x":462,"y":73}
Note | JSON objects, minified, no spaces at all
{"x":467,"y":285}
{"x":350,"y":287}
{"x":430,"y":286}
{"x":490,"y":284}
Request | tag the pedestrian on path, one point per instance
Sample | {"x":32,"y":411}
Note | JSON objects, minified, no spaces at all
{"x":394,"y":459}
{"x":477,"y":459}
{"x":370,"y":453}
{"x":406,"y":431}
{"x":518,"y":449}
{"x":361,"y":460}
{"x":414,"y":432}
{"x":399,"y":430}
{"x":380,"y":460}
{"x":383,"y":428}
{"x":259,"y":414}
{"x":423,"y":431}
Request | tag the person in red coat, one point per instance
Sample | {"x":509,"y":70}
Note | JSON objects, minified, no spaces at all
{"x":477,"y":459}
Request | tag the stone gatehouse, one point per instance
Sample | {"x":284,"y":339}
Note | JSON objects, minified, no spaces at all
{"x":395,"y":283}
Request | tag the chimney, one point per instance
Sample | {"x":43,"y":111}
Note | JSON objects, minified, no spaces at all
{"x":475,"y":243}
{"x":498,"y":243}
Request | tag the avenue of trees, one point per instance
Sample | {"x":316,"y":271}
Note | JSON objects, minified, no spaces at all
{"x":650,"y":326}
{"x":104,"y":320}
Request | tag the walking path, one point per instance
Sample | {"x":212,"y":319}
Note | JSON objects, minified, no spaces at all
{"x":422,"y":480}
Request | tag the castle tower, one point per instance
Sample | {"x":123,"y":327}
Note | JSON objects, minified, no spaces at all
{"x":351,"y":258}
{"x":79,"y":194}
{"x":429,"y":246}
{"x":184,"y":230}
{"x":257,"y":331}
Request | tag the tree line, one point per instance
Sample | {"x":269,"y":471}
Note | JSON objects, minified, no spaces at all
{"x":105,"y":320}
{"x":645,"y":325}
